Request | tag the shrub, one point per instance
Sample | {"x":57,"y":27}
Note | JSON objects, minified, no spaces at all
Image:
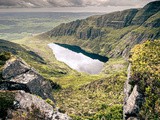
{"x":146,"y":73}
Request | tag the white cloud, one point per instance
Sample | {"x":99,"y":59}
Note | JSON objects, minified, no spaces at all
{"x":73,"y":3}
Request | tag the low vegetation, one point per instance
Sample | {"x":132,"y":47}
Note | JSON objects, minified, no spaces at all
{"x":6,"y":101}
{"x":146,"y":73}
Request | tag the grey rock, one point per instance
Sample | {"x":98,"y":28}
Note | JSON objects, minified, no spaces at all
{"x":14,"y":67}
{"x":132,"y":118}
{"x":127,"y":86}
{"x":29,"y":105}
{"x":8,"y":85}
{"x":133,"y":99}
{"x":17,"y":71}
{"x":35,"y":83}
{"x":133,"y":104}
{"x":127,"y":89}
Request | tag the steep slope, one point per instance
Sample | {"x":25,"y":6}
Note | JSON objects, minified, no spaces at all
{"x":34,"y":59}
{"x":113,"y":34}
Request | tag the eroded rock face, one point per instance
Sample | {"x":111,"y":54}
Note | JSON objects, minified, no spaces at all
{"x":14,"y":67}
{"x":132,"y":106}
{"x":22,"y":75}
{"x":28,"y":106}
{"x":133,"y":100}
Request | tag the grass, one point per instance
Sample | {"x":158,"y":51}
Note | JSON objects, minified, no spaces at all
{"x":82,"y":96}
{"x":93,"y":98}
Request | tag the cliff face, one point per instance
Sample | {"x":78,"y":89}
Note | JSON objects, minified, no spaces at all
{"x":20,"y":86}
{"x":133,"y":99}
{"x":141,"y":90}
{"x":112,"y":34}
{"x":91,"y":27}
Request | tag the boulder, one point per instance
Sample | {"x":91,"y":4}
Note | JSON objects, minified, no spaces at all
{"x":133,"y":99}
{"x":17,"y":71}
{"x":8,"y":85}
{"x":132,"y":106}
{"x":14,"y":67}
{"x":35,"y":83}
{"x":27,"y":106}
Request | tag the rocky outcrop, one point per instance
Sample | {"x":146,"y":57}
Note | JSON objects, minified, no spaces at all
{"x":13,"y":68}
{"x":27,"y":106}
{"x":65,"y":29}
{"x":89,"y":33}
{"x":17,"y":71}
{"x":117,"y":19}
{"x":133,"y":100}
{"x":24,"y":93}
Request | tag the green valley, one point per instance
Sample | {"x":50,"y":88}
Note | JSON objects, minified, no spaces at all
{"x":129,"y":38}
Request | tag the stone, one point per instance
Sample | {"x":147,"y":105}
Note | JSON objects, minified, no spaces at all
{"x":26,"y":78}
{"x":132,"y":106}
{"x":27,"y":106}
{"x":127,"y":86}
{"x":8,"y":85}
{"x":35,"y":83}
{"x":14,"y":67}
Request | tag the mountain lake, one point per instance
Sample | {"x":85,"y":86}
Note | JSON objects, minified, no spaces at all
{"x":78,"y":59}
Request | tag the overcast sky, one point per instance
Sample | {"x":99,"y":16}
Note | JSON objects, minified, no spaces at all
{"x":74,"y":5}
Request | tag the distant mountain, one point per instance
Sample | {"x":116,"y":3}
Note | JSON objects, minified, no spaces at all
{"x":112,"y":34}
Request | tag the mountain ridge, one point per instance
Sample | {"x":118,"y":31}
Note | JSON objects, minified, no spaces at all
{"x":96,"y":33}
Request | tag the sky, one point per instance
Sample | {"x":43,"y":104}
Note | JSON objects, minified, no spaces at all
{"x":71,"y":5}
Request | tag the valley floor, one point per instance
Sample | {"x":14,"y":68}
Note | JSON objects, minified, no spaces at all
{"x":82,"y":96}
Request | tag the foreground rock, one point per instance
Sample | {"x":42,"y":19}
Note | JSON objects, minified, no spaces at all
{"x":17,"y":71}
{"x":133,"y":100}
{"x":25,"y":94}
{"x":27,"y":106}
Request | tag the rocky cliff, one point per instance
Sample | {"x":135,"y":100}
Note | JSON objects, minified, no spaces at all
{"x":133,"y":99}
{"x":141,"y":90}
{"x":112,"y":34}
{"x":25,"y":93}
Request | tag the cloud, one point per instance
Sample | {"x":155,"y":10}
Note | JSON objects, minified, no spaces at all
{"x":126,"y":2}
{"x":71,"y":3}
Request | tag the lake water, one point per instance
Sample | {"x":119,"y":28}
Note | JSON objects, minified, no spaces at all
{"x":78,"y":59}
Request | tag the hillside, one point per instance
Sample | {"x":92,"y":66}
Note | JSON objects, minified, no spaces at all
{"x":84,"y":96}
{"x":45,"y":67}
{"x":112,"y":34}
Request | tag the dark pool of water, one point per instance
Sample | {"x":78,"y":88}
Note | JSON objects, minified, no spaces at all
{"x":77,"y":49}
{"x":78,"y":59}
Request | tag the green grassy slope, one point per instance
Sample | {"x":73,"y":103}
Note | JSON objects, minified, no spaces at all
{"x":46,"y":68}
